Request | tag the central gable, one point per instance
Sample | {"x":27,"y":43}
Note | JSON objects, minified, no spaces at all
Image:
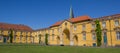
{"x":65,"y":24}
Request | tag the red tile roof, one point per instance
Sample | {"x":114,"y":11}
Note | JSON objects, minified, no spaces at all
{"x":6,"y":26}
{"x":73,"y":20}
{"x":80,"y":18}
{"x":57,"y":23}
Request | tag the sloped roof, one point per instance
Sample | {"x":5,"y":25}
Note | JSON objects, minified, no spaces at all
{"x":80,"y":18}
{"x":41,"y":29}
{"x":57,"y":23}
{"x":73,"y":20}
{"x":6,"y":26}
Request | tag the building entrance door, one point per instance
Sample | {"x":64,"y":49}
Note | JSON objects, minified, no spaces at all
{"x":105,"y":38}
{"x":4,"y":39}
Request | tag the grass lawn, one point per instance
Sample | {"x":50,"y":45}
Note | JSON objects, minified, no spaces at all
{"x":54,"y":49}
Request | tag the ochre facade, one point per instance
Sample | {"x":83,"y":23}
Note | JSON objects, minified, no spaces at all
{"x":79,"y":31}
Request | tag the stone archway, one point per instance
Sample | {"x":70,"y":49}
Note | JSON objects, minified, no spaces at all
{"x":66,"y":37}
{"x":75,"y":40}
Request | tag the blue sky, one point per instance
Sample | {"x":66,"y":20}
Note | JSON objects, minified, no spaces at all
{"x":43,"y":13}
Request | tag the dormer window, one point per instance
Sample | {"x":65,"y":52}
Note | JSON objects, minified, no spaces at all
{"x":116,"y":22}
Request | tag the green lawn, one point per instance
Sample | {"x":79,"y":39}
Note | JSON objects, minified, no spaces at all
{"x":54,"y":49}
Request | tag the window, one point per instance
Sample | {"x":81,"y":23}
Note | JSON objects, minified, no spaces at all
{"x":83,"y":27}
{"x":103,"y":24}
{"x":116,"y":23}
{"x":0,"y":37}
{"x":84,"y":36}
{"x":58,"y":30}
{"x":118,"y":35}
{"x":48,"y":31}
{"x":26,"y":37}
{"x":52,"y":31}
{"x":20,"y":33}
{"x":27,"y":33}
{"x":9,"y":32}
{"x":20,"y":37}
{"x":93,"y":36}
{"x":15,"y":32}
{"x":0,"y":32}
{"x":93,"y":26}
{"x":52,"y":36}
{"x":75,"y":27}
{"x":65,"y":23}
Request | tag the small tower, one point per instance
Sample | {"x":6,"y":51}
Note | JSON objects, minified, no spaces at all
{"x":71,"y":13}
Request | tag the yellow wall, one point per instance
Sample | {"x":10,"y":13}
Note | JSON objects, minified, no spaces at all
{"x":16,"y":37}
{"x":57,"y":34}
{"x":79,"y":33}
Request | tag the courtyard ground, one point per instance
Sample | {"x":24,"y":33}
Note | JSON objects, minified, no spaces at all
{"x":35,"y":48}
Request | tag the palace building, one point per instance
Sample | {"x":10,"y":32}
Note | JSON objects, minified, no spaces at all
{"x":74,"y":31}
{"x":21,"y":33}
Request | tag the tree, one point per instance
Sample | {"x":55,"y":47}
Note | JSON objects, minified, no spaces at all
{"x":46,"y":39}
{"x":11,"y":36}
{"x":98,"y":33}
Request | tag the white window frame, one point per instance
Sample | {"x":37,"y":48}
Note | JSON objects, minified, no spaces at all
{"x":118,"y":35}
{"x":1,"y":37}
{"x":93,"y":36}
{"x":104,"y":24}
{"x":84,"y":36}
{"x":83,"y":27}
{"x":116,"y":22}
{"x":93,"y":26}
